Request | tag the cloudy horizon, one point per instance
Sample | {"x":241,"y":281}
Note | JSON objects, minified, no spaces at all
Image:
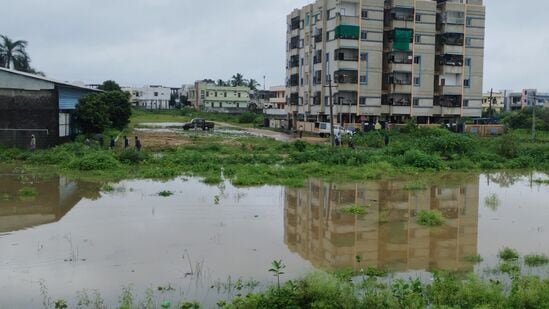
{"x":173,"y":42}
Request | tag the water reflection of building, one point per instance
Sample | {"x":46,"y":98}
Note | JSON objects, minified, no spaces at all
{"x":56,"y":196}
{"x":388,"y":235}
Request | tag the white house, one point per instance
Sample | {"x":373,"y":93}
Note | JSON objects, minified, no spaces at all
{"x":150,"y":97}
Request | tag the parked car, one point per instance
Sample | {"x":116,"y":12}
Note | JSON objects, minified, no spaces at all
{"x":198,"y":123}
{"x":324,"y":130}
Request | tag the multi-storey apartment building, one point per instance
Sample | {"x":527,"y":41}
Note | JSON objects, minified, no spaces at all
{"x":209,"y":97}
{"x":150,"y":97}
{"x":387,"y":60}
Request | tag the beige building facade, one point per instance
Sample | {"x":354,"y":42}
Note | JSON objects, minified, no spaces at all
{"x":209,"y":97}
{"x":387,"y":60}
{"x":498,"y":102}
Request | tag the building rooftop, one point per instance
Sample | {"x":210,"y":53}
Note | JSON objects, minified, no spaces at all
{"x":46,"y":79}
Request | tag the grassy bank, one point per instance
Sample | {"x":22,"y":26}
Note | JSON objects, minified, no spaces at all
{"x":256,"y":161}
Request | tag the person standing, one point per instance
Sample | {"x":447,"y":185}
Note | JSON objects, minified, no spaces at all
{"x":137,"y":144}
{"x":301,"y":131}
{"x":126,"y":142}
{"x":33,"y":142}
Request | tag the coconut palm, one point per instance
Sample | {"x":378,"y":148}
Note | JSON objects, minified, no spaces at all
{"x":237,"y":80}
{"x":13,"y":54}
{"x":252,"y":84}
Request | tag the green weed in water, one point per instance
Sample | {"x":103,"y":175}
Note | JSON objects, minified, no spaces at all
{"x":27,"y":192}
{"x":357,"y":210}
{"x":165,"y":193}
{"x":492,"y":201}
{"x":107,"y":188}
{"x":430,"y":217}
{"x":542,"y":181}
{"x":416,"y":186}
{"x":475,"y":259}
{"x":535,"y":260}
{"x":508,"y":254}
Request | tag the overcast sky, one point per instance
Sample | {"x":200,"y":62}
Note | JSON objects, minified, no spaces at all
{"x":174,"y":42}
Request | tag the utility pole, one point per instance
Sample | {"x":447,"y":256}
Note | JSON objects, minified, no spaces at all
{"x":534,"y":119}
{"x":491,"y":98}
{"x":264,"y":78}
{"x":332,"y":137}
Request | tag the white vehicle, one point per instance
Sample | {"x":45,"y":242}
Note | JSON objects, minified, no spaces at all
{"x":324,"y":130}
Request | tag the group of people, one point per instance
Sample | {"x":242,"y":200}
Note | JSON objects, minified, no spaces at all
{"x":126,"y":143}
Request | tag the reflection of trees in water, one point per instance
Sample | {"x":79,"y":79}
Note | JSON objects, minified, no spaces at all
{"x":505,"y":179}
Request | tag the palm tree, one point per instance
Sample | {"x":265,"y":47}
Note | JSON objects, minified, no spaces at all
{"x":237,"y":80}
{"x":221,"y":83}
{"x":13,"y":54}
{"x":253,"y":84}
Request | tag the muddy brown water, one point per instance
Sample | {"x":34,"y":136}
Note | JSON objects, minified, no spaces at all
{"x":73,"y":237}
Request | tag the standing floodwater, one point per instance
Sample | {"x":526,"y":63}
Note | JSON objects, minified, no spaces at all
{"x":194,"y":241}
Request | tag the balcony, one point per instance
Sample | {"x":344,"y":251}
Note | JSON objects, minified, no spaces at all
{"x":294,"y":61}
{"x":396,"y":100}
{"x":399,"y":82}
{"x":450,"y":60}
{"x":294,"y":42}
{"x":448,"y":101}
{"x":346,"y":54}
{"x":399,"y":61}
{"x":347,"y":32}
{"x":295,"y":23}
{"x":401,"y":38}
{"x":294,"y":99}
{"x":294,"y":80}
{"x":345,"y":98}
{"x":346,"y":77}
{"x":454,"y":39}
{"x":450,"y":90}
{"x":397,"y":17}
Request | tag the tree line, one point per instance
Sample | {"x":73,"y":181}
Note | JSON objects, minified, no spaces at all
{"x":237,"y":80}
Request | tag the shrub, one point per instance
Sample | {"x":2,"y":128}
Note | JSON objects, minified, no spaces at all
{"x":508,"y":146}
{"x":508,"y":254}
{"x":354,"y":210}
{"x":94,"y":161}
{"x":535,"y":260}
{"x":419,"y":159}
{"x":430,"y":218}
{"x":247,"y":118}
{"x":132,"y":156}
{"x":165,"y":193}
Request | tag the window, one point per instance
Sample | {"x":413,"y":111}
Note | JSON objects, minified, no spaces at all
{"x":330,"y":35}
{"x":216,"y":94}
{"x":418,"y":17}
{"x":364,"y":79}
{"x":465,"y":103}
{"x":307,"y":19}
{"x":362,"y":101}
{"x":207,"y":94}
{"x":417,"y":38}
{"x":225,"y":93}
{"x":364,"y":35}
{"x":342,"y":11}
{"x":212,"y":104}
{"x":417,"y":59}
{"x":64,"y":124}
{"x":237,"y":105}
{"x":416,"y":101}
{"x":156,"y":94}
{"x":417,"y":81}
{"x":469,"y":21}
{"x":239,"y":94}
{"x":468,"y":41}
{"x":467,"y":83}
{"x":363,"y":56}
{"x":467,"y":62}
{"x":364,"y":14}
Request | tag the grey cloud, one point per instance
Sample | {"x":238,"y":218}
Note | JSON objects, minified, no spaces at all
{"x":178,"y":41}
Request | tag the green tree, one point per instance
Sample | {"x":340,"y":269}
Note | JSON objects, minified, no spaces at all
{"x":253,"y":84}
{"x":119,"y":107}
{"x":221,"y":83}
{"x":109,"y":85}
{"x":13,"y":53}
{"x":238,"y":80}
{"x":92,"y":114}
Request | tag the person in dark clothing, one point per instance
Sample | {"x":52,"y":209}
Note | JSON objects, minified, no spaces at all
{"x":386,"y":139}
{"x":112,"y":143}
{"x":137,"y":144}
{"x":126,"y":142}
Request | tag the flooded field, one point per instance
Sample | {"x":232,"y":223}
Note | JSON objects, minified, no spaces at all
{"x":59,"y":237}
